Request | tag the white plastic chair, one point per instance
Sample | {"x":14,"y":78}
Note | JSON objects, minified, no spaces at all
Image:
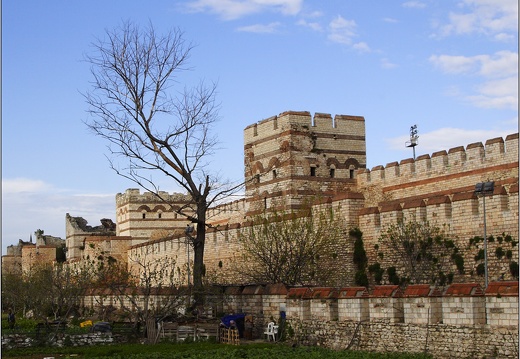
{"x":270,"y":331}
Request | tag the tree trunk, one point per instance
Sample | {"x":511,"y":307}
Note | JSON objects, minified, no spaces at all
{"x":198,"y":260}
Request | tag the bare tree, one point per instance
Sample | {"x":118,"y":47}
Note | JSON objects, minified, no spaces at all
{"x":134,"y":107}
{"x":46,"y":289}
{"x":301,"y":247}
{"x":145,"y":288}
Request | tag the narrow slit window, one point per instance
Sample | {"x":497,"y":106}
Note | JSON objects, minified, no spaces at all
{"x":332,"y":172}
{"x":313,"y":171}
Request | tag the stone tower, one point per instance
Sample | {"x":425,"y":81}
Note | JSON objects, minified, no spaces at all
{"x":145,"y":217}
{"x":293,"y":157}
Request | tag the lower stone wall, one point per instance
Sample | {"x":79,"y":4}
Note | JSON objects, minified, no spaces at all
{"x":11,"y":341}
{"x":439,"y":340}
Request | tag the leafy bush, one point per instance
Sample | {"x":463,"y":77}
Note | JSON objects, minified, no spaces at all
{"x":377,"y":271}
{"x":392,"y":275}
{"x":459,"y":262}
{"x":361,"y":278}
{"x":481,"y":269}
{"x":480,"y":255}
{"x":513,"y":269}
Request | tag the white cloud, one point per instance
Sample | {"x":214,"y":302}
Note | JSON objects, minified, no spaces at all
{"x":386,"y":64}
{"x":494,"y":18}
{"x":453,"y":64}
{"x":499,"y":71}
{"x":390,"y":20}
{"x":29,"y":204}
{"x":501,"y":93}
{"x":314,"y":14}
{"x":234,"y":9}
{"x":261,"y":28}
{"x":342,"y":31}
{"x":361,"y":47}
{"x":414,"y":4}
{"x":503,"y":63}
{"x":315,"y":26}
{"x":22,"y":185}
{"x":446,"y":138}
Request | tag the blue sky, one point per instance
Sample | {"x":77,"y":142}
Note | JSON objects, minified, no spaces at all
{"x":451,"y":67}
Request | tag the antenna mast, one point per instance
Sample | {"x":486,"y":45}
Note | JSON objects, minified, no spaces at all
{"x":413,"y":139}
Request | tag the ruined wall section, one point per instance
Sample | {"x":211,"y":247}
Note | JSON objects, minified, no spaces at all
{"x":33,"y":256}
{"x":77,"y":231}
{"x":293,"y":156}
{"x":12,"y":264}
{"x":145,"y":216}
{"x":99,"y":248}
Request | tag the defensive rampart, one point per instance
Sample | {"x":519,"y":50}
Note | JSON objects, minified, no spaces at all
{"x":459,"y":321}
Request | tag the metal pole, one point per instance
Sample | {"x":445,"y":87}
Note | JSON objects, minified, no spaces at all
{"x":188,"y":243}
{"x":485,"y":243}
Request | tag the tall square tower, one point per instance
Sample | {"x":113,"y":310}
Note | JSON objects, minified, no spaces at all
{"x":293,"y":157}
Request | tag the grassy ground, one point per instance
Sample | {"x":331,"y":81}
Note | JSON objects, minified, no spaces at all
{"x":199,"y":350}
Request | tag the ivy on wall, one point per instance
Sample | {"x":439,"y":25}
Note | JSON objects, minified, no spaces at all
{"x":504,"y":245}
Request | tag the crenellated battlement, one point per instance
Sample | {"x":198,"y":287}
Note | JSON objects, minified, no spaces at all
{"x":474,"y":157}
{"x":133,"y":195}
{"x":303,"y":121}
{"x":229,"y":212}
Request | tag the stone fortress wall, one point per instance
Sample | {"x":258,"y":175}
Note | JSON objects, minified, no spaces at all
{"x":292,"y":158}
{"x":295,"y":157}
{"x":439,"y":188}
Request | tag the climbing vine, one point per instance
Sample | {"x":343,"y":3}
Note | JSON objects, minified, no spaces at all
{"x":360,"y":258}
{"x":501,"y":252}
{"x":424,"y":254}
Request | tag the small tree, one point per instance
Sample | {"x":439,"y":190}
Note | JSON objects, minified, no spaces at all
{"x":145,"y":288}
{"x":421,"y":252}
{"x":293,"y":248}
{"x":46,"y":289}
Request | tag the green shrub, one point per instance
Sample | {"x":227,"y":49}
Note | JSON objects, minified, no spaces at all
{"x":377,"y":272}
{"x":459,"y":262}
{"x":481,"y":269}
{"x":206,"y":350}
{"x":361,"y":278}
{"x":392,"y":275}
{"x":513,"y":269}
{"x":480,"y":255}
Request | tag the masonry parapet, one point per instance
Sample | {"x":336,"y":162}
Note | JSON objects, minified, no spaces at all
{"x":475,"y":156}
{"x":303,"y":121}
{"x":227,"y":211}
{"x":133,"y":195}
